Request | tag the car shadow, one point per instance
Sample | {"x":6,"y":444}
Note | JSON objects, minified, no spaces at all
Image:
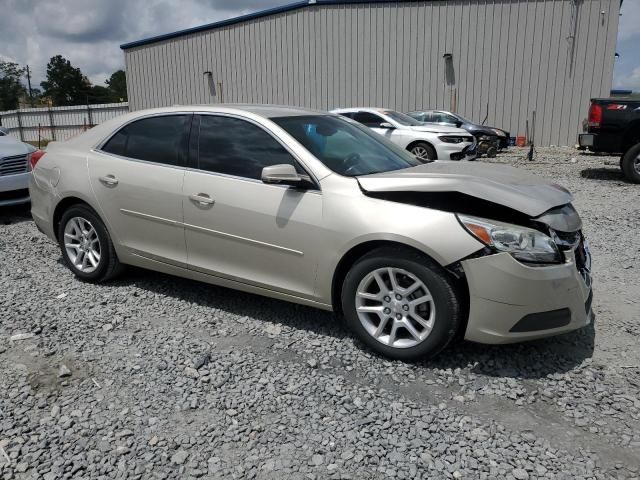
{"x":613,"y":173}
{"x":15,"y":214}
{"x":527,"y":360}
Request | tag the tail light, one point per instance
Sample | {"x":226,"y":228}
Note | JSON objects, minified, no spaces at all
{"x":34,"y":157}
{"x":595,"y":115}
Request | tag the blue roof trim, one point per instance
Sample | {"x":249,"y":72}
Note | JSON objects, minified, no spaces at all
{"x":244,"y":18}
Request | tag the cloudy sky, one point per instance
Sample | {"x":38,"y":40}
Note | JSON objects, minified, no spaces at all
{"x":89,"y":32}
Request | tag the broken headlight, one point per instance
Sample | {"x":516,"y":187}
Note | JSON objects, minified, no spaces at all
{"x":524,"y":244}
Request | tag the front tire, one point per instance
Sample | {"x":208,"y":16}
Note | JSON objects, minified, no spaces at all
{"x":630,"y":164}
{"x":401,"y":304}
{"x":423,"y":151}
{"x":86,"y":245}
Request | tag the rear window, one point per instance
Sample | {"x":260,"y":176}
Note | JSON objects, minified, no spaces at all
{"x":155,"y":139}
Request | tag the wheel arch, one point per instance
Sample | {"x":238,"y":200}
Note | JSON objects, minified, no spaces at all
{"x":631,"y":136}
{"x":426,"y":142}
{"x":63,"y":205}
{"x":351,"y":256}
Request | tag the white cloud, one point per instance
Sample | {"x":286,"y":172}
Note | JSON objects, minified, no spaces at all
{"x":630,"y":81}
{"x":629,"y":26}
{"x":89,"y":32}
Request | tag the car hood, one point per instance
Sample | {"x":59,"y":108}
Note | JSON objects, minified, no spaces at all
{"x":10,"y":147}
{"x":437,"y":129}
{"x":480,"y":129}
{"x":503,"y":185}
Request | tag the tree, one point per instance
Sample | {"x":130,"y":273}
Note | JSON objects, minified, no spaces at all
{"x":117,"y":83}
{"x":65,"y":84}
{"x":11,"y":88}
{"x":99,"y":94}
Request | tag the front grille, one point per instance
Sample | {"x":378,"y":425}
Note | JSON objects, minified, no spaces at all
{"x":13,"y":165}
{"x":575,"y":241}
{"x":567,"y":240}
{"x":582,"y":261}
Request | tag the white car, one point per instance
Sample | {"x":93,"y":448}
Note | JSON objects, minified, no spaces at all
{"x":15,"y":158}
{"x":427,"y":142}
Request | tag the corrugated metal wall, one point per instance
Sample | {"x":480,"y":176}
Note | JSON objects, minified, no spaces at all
{"x":510,"y":58}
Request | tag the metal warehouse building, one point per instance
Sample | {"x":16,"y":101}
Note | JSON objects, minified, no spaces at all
{"x":501,"y":60}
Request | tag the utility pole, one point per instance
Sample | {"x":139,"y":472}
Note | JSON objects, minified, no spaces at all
{"x":29,"y":84}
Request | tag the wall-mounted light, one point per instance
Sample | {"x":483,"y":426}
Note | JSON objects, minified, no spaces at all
{"x":211,"y":84}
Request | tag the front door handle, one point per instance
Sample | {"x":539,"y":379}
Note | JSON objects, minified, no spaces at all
{"x":109,"y":180}
{"x":201,"y":199}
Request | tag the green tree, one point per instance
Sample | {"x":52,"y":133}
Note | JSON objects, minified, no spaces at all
{"x":117,"y":83}
{"x":11,"y":88}
{"x":65,"y":84}
{"x":99,"y":94}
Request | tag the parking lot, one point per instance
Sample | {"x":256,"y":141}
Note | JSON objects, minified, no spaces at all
{"x":153,"y":376}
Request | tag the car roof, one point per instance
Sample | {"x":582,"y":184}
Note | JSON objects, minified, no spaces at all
{"x":97,"y":134}
{"x":263,"y":110}
{"x":434,"y":111}
{"x":362,"y":109}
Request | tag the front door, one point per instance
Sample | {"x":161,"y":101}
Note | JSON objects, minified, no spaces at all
{"x":236,"y":226}
{"x":137,"y":179}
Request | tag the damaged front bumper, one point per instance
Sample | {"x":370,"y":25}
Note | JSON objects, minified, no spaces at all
{"x":511,"y":302}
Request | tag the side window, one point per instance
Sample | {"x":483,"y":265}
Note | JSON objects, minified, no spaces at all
{"x":426,"y":117}
{"x":449,"y":118}
{"x":159,"y":139}
{"x":369,"y":119}
{"x":236,"y":147}
{"x":117,"y":143}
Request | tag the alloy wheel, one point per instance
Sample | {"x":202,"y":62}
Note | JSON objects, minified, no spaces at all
{"x":636,"y":164}
{"x":420,"y":152}
{"x":395,"y":307}
{"x":82,"y":244}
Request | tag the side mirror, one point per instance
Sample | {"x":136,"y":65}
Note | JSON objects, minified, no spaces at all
{"x":284,"y":174}
{"x":458,"y":124}
{"x":387,"y":125}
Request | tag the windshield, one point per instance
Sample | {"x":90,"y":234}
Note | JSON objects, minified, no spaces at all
{"x":344,"y":146}
{"x":465,"y":120}
{"x":402,"y":118}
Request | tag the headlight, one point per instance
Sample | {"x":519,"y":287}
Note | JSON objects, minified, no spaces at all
{"x":524,"y":244}
{"x":453,"y":139}
{"x":500,"y":133}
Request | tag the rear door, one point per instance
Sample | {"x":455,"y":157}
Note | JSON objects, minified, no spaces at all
{"x":137,"y":178}
{"x":239,"y":228}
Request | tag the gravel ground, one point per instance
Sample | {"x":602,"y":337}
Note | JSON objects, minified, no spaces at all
{"x":157,"y":377}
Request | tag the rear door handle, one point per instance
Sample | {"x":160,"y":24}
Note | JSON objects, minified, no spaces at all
{"x":109,"y":180}
{"x":201,"y":199}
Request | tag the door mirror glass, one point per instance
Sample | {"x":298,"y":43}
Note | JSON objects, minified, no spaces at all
{"x":284,"y":174}
{"x":387,"y":125}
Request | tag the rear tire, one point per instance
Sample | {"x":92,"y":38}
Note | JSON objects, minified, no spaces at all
{"x":423,"y":151}
{"x":396,"y":321}
{"x":86,"y":245}
{"x":630,"y":164}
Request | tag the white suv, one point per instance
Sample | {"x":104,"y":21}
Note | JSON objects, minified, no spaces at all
{"x":427,"y":142}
